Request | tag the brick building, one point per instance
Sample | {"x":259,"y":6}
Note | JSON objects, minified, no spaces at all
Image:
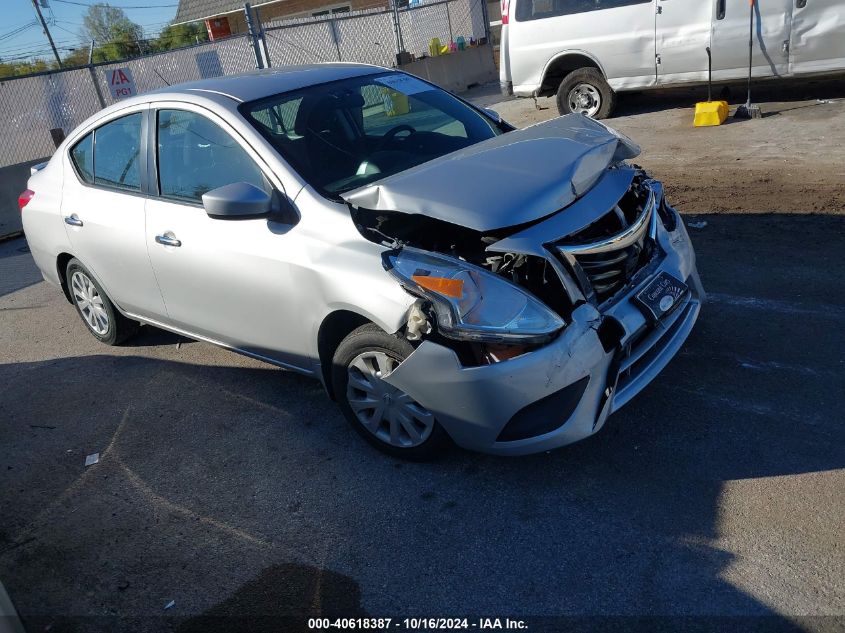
{"x":226,"y":17}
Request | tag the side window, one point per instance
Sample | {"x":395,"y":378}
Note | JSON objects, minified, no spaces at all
{"x":117,"y":153}
{"x":538,"y":9}
{"x":196,"y":156}
{"x":82,"y":156}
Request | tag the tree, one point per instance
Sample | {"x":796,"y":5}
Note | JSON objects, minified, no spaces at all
{"x":13,"y":69}
{"x":76,"y":57}
{"x":115,"y":35}
{"x":174,"y":36}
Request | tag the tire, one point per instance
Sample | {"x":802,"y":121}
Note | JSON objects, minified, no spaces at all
{"x":355,"y":379}
{"x":95,"y":308}
{"x":598,"y":99}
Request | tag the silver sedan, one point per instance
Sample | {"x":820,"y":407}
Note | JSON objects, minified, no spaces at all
{"x":446,"y":276}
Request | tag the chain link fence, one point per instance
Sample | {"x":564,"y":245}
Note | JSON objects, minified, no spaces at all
{"x":33,"y":107}
{"x":369,"y":36}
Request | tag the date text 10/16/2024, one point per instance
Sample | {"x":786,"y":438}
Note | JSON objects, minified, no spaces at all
{"x":414,"y":624}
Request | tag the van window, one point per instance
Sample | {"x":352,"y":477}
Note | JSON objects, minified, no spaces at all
{"x":538,"y":9}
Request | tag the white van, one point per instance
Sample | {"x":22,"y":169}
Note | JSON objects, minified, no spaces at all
{"x":585,"y":51}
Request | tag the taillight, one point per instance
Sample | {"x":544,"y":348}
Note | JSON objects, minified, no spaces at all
{"x":505,"y":10}
{"x":24,"y":198}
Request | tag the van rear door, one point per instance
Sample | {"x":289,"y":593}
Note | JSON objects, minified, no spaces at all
{"x":817,"y":43}
{"x":772,"y":22}
{"x":682,"y":35}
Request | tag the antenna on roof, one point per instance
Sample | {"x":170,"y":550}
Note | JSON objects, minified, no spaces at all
{"x":160,"y":77}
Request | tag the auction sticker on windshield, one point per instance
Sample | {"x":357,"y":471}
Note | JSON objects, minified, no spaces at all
{"x":406,"y":84}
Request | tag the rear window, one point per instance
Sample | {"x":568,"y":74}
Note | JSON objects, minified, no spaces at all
{"x":539,"y":9}
{"x":82,"y":156}
{"x":111,"y":155}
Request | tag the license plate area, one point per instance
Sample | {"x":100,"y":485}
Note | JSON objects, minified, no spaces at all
{"x":660,"y":296}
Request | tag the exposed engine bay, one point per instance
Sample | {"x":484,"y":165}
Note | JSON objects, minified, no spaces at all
{"x":535,"y":274}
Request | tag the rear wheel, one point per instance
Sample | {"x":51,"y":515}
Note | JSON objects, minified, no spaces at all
{"x":387,"y":417}
{"x":97,"y":311}
{"x":585,"y":91}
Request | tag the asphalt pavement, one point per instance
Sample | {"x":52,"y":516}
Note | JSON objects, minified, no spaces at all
{"x":237,"y":491}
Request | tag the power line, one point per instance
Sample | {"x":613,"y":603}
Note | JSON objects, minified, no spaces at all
{"x":18,"y":30}
{"x":47,"y":32}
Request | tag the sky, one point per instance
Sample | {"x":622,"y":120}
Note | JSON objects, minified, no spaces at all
{"x":64,"y":19}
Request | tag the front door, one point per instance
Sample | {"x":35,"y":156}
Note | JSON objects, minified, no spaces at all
{"x":818,"y":36}
{"x":770,"y":41}
{"x":103,"y":211}
{"x":227,"y":280}
{"x":682,"y":35}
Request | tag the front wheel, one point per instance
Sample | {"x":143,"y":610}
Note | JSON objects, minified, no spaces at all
{"x":387,"y":417}
{"x":585,"y":91}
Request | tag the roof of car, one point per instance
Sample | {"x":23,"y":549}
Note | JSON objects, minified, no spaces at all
{"x":263,"y":83}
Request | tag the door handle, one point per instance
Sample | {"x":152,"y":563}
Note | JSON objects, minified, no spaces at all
{"x":168,"y":240}
{"x":720,"y":9}
{"x":73,"y":220}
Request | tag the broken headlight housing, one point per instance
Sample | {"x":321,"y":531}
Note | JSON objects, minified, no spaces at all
{"x":472,"y":303}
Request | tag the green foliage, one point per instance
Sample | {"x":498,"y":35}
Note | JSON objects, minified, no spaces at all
{"x":179,"y":35}
{"x":114,"y":34}
{"x":115,"y":37}
{"x":13,"y":69}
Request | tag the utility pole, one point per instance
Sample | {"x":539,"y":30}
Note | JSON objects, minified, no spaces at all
{"x":47,"y":32}
{"x":253,"y":36}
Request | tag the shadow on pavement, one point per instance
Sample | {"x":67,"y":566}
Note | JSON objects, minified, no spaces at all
{"x":17,"y":269}
{"x":777,"y":93}
{"x":228,"y":489}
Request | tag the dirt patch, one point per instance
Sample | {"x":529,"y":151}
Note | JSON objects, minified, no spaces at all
{"x":792,"y":160}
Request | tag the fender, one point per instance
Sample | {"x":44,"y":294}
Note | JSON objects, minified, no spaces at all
{"x":561,"y":55}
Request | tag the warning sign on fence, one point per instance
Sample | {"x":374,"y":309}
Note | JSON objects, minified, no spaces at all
{"x":121,"y":84}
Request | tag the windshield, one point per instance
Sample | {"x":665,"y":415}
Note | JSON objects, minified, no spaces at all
{"x":346,"y":134}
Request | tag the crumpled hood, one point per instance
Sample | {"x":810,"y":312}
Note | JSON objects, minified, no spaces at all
{"x":510,"y":179}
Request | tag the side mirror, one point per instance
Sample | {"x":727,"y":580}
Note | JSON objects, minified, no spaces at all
{"x":237,"y":201}
{"x":493,"y":115}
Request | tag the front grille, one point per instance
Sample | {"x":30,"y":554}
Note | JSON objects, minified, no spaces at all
{"x":607,"y":253}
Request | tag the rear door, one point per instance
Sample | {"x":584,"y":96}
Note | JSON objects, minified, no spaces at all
{"x":682,"y":35}
{"x":772,"y":24}
{"x":103,"y":208}
{"x":618,"y":34}
{"x":817,"y":43}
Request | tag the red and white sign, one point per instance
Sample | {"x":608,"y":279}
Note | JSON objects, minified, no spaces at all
{"x":121,"y":84}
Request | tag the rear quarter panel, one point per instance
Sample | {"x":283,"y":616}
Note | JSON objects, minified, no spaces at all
{"x":42,"y":220}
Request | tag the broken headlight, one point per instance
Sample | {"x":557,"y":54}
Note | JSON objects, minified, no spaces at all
{"x":470,"y":302}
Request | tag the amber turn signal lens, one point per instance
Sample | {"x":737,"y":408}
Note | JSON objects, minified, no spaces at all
{"x":441,"y":285}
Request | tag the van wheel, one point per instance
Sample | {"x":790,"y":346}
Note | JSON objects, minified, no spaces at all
{"x":385,"y":416}
{"x":585,"y":91}
{"x":97,"y":311}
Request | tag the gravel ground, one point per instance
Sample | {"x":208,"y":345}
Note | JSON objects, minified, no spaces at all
{"x":791,"y":160}
{"x":712,"y":502}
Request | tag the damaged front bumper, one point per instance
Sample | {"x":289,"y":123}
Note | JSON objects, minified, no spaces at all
{"x":564,"y":391}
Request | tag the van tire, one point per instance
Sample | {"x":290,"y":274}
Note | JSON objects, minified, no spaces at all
{"x":592,"y":86}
